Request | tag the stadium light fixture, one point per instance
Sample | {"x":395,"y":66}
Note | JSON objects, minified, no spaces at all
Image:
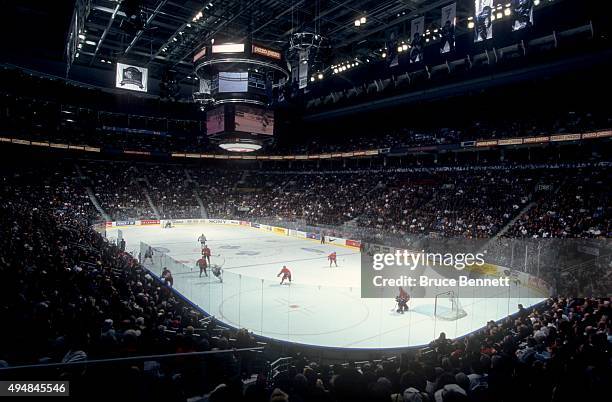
{"x":362,"y":20}
{"x":320,"y":76}
{"x":357,"y":23}
{"x":471,"y":25}
{"x":499,"y":15}
{"x":536,"y":2}
{"x":384,"y":55}
{"x":507,"y":12}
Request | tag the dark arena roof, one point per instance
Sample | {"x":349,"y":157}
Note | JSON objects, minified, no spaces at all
{"x":306,"y":200}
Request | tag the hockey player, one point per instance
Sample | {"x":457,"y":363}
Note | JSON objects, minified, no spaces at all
{"x":148,"y":254}
{"x":402,"y":301}
{"x":202,"y":240}
{"x":206,"y":254}
{"x":332,"y":259}
{"x":216,"y":270}
{"x":285,"y":273}
{"x":203,"y":265}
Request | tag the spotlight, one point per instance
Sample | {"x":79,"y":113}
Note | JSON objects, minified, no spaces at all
{"x":507,"y":12}
{"x":404,"y":47}
{"x":499,"y":15}
{"x":357,"y":23}
{"x":363,"y":20}
{"x":384,"y":55}
{"x":471,"y":25}
{"x":320,"y":76}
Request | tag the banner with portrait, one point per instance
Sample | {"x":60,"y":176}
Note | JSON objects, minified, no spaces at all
{"x":522,"y":12}
{"x":447,"y":34}
{"x":483,"y":24}
{"x":417,"y":41}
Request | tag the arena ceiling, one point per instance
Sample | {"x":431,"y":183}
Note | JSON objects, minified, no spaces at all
{"x":164,"y":34}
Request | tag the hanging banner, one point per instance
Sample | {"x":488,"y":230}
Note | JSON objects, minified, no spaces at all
{"x":303,"y":69}
{"x":483,"y":28}
{"x":130,"y":77}
{"x":522,"y":11}
{"x":449,"y":18}
{"x":417,"y":42}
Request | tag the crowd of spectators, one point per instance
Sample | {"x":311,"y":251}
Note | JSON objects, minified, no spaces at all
{"x":118,"y":190}
{"x":556,"y":202}
{"x":69,"y":296}
{"x":578,"y":207}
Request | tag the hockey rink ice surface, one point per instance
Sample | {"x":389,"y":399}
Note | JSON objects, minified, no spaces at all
{"x":322,"y":306}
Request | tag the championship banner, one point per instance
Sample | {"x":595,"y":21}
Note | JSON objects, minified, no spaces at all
{"x":522,"y":10}
{"x":417,"y":42}
{"x":449,"y":18}
{"x":131,"y":77}
{"x":483,"y":28}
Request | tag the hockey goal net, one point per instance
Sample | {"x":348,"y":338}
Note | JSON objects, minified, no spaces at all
{"x":447,"y":307}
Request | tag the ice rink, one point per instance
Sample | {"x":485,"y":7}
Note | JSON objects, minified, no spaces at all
{"x":322,"y":306}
